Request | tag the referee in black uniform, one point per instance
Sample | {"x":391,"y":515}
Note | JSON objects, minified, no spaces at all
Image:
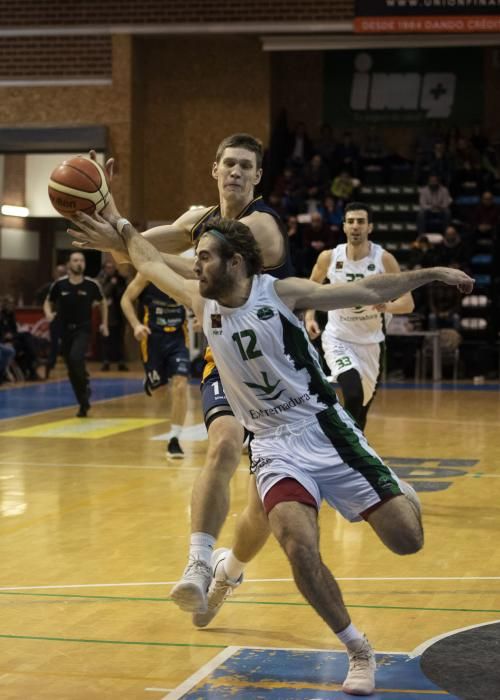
{"x":72,"y":298}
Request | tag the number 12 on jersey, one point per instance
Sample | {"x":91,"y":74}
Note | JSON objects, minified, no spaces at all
{"x":250,"y":351}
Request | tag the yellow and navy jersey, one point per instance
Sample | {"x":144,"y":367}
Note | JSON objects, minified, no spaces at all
{"x":284,"y":269}
{"x":280,"y":271}
{"x":161,"y":313}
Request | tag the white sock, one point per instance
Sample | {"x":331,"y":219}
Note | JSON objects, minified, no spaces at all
{"x":232,"y":566}
{"x":175,"y":431}
{"x":201,"y":547}
{"x":351,"y":636}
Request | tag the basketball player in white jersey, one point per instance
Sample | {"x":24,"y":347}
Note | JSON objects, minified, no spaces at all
{"x":305,"y":446}
{"x":237,"y":170}
{"x":353,"y":339}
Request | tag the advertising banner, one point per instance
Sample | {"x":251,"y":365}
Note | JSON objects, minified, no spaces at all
{"x":427,"y":16}
{"x":403,"y":86}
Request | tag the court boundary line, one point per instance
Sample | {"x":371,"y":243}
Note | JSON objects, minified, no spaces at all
{"x":202,"y":672}
{"x":63,"y":586}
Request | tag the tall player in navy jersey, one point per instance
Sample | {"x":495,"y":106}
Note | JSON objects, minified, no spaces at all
{"x":237,"y":170}
{"x":161,"y":329}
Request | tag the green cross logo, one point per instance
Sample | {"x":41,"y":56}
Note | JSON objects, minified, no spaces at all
{"x":266,"y":389}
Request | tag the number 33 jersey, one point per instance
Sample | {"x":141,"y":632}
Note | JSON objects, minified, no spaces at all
{"x":270,"y":372}
{"x":362,"y":324}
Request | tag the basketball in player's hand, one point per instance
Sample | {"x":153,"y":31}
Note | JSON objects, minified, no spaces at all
{"x":78,"y":184}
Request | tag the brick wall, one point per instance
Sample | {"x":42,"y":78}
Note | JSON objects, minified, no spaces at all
{"x":194,"y":92}
{"x":54,"y":13}
{"x":55,"y":57}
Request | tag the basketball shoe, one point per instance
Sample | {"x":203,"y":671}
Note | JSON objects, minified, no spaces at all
{"x":190,"y":593}
{"x":220,"y":588}
{"x":174,"y":450}
{"x":360,"y":679}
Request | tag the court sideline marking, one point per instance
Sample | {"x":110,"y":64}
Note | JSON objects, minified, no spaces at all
{"x":251,"y":580}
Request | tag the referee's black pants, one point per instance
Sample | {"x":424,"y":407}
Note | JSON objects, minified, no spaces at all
{"x":74,"y":343}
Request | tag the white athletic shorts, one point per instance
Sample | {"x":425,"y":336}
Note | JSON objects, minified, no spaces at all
{"x":330,"y":457}
{"x":341,"y":356}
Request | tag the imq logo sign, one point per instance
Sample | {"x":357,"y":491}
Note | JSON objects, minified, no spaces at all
{"x":403,"y":86}
{"x":432,"y":93}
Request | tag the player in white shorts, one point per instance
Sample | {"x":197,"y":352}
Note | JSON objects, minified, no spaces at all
{"x":305,"y":447}
{"x":353,"y":339}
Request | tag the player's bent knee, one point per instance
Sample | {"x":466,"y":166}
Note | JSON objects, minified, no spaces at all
{"x":398,"y":524}
{"x":409,"y":542}
{"x":225,"y":438}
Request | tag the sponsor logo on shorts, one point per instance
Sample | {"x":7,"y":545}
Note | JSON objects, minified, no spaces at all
{"x":259,"y":463}
{"x":281,"y":408}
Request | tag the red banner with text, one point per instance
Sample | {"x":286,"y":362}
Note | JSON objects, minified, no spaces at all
{"x":427,"y":16}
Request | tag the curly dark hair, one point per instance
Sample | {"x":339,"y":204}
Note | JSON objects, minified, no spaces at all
{"x":234,"y":237}
{"x":247,"y":141}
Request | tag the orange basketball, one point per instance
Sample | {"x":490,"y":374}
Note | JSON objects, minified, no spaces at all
{"x":78,"y":184}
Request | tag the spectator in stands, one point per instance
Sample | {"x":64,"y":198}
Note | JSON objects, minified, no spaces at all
{"x":374,"y":151}
{"x":299,"y":146}
{"x":325,"y":146}
{"x":478,"y":139}
{"x":452,"y":137}
{"x":113,"y":285}
{"x":7,"y":354}
{"x":425,"y":140}
{"x":41,"y":292}
{"x":487,"y":215}
{"x":434,"y":201}
{"x":332,"y":211}
{"x":452,"y":251}
{"x":490,"y":166}
{"x":54,"y":325}
{"x":316,"y":236}
{"x":317,"y":179}
{"x":466,"y":167}
{"x":291,"y":189}
{"x":23,"y":342}
{"x":438,"y":162}
{"x":343,"y":186}
{"x":422,"y":253}
{"x":346,"y":155}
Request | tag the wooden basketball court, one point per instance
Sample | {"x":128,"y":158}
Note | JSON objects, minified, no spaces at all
{"x":95,"y":528}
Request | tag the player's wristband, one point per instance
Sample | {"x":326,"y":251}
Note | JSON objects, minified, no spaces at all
{"x":121,"y":223}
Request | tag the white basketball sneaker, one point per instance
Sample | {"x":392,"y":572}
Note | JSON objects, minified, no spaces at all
{"x":220,"y":588}
{"x":190,"y":593}
{"x":360,"y":679}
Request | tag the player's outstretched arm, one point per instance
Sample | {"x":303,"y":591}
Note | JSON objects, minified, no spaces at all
{"x":373,"y":290}
{"x":145,"y":257}
{"x":405,"y":303}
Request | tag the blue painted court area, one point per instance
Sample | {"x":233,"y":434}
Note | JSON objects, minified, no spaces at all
{"x":281,"y":674}
{"x":34,"y":398}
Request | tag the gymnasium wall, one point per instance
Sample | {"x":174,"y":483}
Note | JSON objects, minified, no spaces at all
{"x":167,"y":102}
{"x":125,"y":13}
{"x":196,"y":91}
